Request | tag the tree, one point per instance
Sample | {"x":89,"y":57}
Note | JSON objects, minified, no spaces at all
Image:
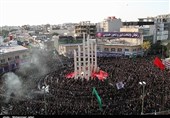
{"x":55,"y":33}
{"x":146,"y":45}
{"x":30,"y":34}
{"x":5,"y":33}
{"x":156,"y":48}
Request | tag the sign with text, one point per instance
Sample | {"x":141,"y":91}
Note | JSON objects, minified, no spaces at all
{"x":119,"y":34}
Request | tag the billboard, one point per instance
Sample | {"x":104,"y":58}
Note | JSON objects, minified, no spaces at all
{"x":109,"y":54}
{"x":119,"y":34}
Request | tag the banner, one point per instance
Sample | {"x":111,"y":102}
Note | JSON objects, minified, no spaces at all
{"x":119,"y":34}
{"x":94,"y":92}
{"x":119,"y":85}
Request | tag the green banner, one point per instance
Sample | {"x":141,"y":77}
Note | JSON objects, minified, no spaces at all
{"x":94,"y":92}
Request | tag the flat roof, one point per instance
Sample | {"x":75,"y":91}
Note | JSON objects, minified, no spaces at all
{"x":120,"y":44}
{"x":72,"y":44}
{"x":13,"y":48}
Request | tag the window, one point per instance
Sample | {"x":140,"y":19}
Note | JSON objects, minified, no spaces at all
{"x":24,"y":56}
{"x":134,"y":50}
{"x":98,"y":49}
{"x":2,"y":60}
{"x":113,"y":49}
{"x":139,"y":49}
{"x":10,"y":58}
{"x":16,"y":57}
{"x":119,"y":49}
{"x":106,"y":49}
{"x":77,"y":64}
{"x":127,"y":50}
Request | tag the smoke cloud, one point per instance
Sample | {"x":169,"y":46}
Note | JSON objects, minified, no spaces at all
{"x":37,"y":66}
{"x":12,"y":84}
{"x":26,"y":78}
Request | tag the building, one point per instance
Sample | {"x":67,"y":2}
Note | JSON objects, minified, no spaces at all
{"x":87,"y":28}
{"x":162,"y":24}
{"x":111,"y":24}
{"x":66,"y":40}
{"x":68,"y":49}
{"x":12,"y":57}
{"x":147,"y":31}
{"x":119,"y":44}
{"x":145,"y":26}
{"x":160,"y":28}
{"x":110,"y":44}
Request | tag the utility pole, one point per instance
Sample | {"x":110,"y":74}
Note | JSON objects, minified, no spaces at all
{"x":45,"y":104}
{"x":143,"y":95}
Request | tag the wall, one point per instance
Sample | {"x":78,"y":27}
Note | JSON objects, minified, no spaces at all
{"x":129,"y":29}
{"x":110,"y":25}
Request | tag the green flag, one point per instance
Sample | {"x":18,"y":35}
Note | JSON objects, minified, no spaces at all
{"x":94,"y":92}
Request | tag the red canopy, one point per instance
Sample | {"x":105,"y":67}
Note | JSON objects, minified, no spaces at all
{"x":101,"y":75}
{"x":70,"y":75}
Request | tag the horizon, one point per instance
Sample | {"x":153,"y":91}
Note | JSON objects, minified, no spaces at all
{"x":36,"y":12}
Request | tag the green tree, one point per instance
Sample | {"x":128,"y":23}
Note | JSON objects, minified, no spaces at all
{"x":146,"y":46}
{"x":5,"y":33}
{"x":156,"y":48}
{"x":55,"y":33}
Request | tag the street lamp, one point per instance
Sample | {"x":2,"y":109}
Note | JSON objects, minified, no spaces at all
{"x":143,"y":83}
{"x":45,"y":107}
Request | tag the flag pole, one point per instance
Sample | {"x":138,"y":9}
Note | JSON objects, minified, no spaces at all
{"x":163,"y":92}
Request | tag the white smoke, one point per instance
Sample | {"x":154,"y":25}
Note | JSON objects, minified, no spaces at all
{"x":1,"y":40}
{"x":13,"y":84}
{"x":37,"y":62}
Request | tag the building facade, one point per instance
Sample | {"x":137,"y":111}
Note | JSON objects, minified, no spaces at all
{"x":161,"y":27}
{"x":12,"y":57}
{"x":87,"y":28}
{"x":110,"y":44}
{"x":110,"y":24}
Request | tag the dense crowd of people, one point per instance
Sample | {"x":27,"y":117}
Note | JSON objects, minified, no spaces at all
{"x":74,"y":96}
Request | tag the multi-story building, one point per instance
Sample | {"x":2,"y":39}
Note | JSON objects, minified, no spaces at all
{"x":161,"y":27}
{"x":147,"y":31}
{"x":110,"y":24}
{"x":110,"y":44}
{"x":120,"y":43}
{"x":162,"y":24}
{"x":87,"y":28}
{"x":12,"y":57}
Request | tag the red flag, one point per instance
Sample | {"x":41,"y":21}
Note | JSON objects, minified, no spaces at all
{"x":101,"y":75}
{"x":159,"y":63}
{"x":70,"y":75}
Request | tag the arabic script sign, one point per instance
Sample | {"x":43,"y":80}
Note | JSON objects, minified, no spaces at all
{"x":119,"y":34}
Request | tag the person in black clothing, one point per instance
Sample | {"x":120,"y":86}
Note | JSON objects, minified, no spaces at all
{"x":74,"y":96}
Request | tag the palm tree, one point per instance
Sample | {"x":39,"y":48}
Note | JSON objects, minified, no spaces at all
{"x":146,"y":45}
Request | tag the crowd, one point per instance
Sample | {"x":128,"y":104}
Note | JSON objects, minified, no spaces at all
{"x":74,"y":96}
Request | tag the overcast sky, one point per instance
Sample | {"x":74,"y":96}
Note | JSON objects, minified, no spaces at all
{"x":37,"y":12}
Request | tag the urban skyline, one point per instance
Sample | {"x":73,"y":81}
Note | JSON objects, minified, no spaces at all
{"x":36,"y":12}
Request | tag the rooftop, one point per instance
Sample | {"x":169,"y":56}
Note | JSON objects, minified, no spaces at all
{"x":121,"y":44}
{"x":8,"y":49}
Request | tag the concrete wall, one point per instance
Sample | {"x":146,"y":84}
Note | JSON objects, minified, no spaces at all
{"x":110,"y":25}
{"x":129,"y":29}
